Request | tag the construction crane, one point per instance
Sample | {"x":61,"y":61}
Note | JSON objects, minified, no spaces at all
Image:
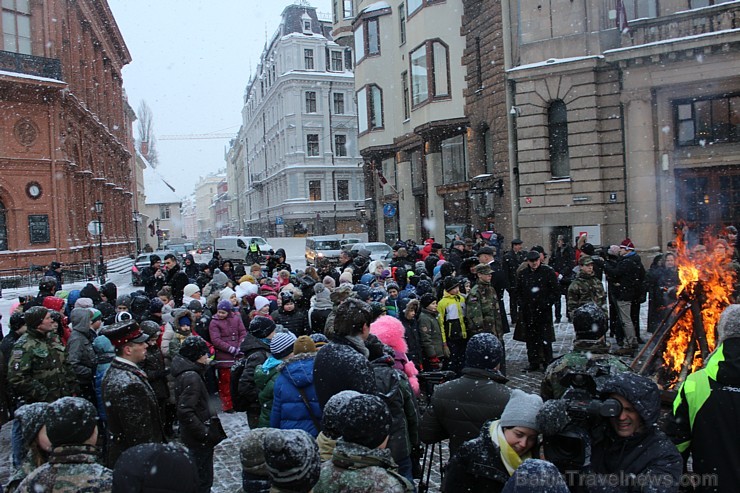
{"x":197,"y":137}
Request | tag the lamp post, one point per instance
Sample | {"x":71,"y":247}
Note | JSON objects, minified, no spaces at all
{"x":137,"y":220}
{"x":101,"y":262}
{"x":159,"y":235}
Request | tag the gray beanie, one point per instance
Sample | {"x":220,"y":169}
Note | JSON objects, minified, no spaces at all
{"x":521,"y":410}
{"x":729,"y":323}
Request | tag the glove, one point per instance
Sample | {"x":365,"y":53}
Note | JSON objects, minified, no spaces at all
{"x":553,"y":417}
{"x":233,"y":350}
{"x":446,"y":351}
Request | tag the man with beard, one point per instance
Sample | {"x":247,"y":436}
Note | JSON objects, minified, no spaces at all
{"x":175,"y":278}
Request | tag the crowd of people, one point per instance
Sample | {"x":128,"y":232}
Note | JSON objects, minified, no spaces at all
{"x":332,"y":367}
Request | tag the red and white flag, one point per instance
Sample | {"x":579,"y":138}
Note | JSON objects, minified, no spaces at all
{"x":382,"y":179}
{"x":622,"y":23}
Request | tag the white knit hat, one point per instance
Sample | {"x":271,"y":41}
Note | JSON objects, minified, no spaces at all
{"x":729,"y":323}
{"x":521,"y":410}
{"x":190,"y":289}
{"x":260,"y":302}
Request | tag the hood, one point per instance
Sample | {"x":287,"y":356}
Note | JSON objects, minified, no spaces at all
{"x":180,"y":365}
{"x":280,"y":253}
{"x":74,"y":295}
{"x":102,"y":345}
{"x":139,"y":306}
{"x":90,"y":291}
{"x":299,"y":370}
{"x":190,"y":257}
{"x":640,"y":391}
{"x":177,"y":314}
{"x":110,"y":291}
{"x":53,"y":303}
{"x":80,"y":320}
{"x":390,"y":331}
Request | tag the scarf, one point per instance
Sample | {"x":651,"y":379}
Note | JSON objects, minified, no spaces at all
{"x":509,"y":457}
{"x":270,"y":363}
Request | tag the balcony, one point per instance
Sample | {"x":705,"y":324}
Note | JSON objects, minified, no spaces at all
{"x":50,"y":68}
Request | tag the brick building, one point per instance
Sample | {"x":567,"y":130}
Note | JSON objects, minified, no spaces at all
{"x":65,"y":132}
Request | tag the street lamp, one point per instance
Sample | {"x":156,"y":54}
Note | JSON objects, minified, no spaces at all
{"x":137,"y":220}
{"x":101,"y":262}
{"x":159,"y":235}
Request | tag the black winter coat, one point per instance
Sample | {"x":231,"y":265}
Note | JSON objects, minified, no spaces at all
{"x":192,"y":402}
{"x":339,"y":366}
{"x":626,"y":276}
{"x":255,"y":353}
{"x":155,"y":370}
{"x":177,"y":280}
{"x":413,"y":340}
{"x":460,"y":407}
{"x":476,"y":467}
{"x":151,"y":284}
{"x":295,"y":321}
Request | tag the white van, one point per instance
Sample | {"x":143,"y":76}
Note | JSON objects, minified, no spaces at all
{"x":235,"y":248}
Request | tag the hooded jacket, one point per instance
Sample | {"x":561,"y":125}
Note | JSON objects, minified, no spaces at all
{"x":192,"y":402}
{"x":342,"y":365}
{"x":392,"y":332}
{"x":648,"y":454}
{"x":226,"y":333}
{"x":289,"y":411}
{"x":79,"y":351}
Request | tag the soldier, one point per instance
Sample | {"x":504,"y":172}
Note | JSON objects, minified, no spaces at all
{"x":130,"y":402}
{"x":38,"y":371}
{"x":72,"y":431}
{"x":483,"y":308}
{"x":585,"y":288}
{"x":512,"y":260}
{"x":590,"y":353}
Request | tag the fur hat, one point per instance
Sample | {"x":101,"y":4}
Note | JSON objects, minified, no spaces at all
{"x":261,"y":327}
{"x":332,"y":418}
{"x":281,"y":344}
{"x":483,"y":352}
{"x":292,"y":459}
{"x":521,"y":410}
{"x":70,"y":421}
{"x":729,"y":323}
{"x":17,"y":321}
{"x":340,"y":294}
{"x":190,"y":289}
{"x":365,"y":420}
{"x":193,"y":347}
{"x":159,"y":467}
{"x":155,"y":305}
{"x":304,"y":344}
{"x":590,"y":322}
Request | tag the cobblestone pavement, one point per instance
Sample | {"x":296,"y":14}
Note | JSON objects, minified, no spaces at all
{"x":227,"y":466}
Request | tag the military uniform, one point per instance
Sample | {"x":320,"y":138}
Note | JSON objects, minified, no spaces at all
{"x":38,"y":371}
{"x":72,"y":468}
{"x":587,"y":356}
{"x":482,"y":310}
{"x":586,"y":289}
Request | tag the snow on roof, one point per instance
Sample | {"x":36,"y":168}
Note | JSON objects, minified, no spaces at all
{"x":554,"y":61}
{"x":674,"y":40}
{"x":31,"y":77}
{"x":376,"y":6}
{"x":157,"y":190}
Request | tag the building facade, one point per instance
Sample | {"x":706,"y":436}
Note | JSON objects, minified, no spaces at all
{"x":66,"y":133}
{"x":163,"y":207}
{"x":206,"y":191}
{"x":627,"y":118}
{"x":295,"y":162}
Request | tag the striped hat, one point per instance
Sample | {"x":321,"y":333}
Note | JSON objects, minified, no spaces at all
{"x":281,"y":344}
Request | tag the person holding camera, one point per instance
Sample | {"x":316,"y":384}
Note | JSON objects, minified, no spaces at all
{"x":590,"y":353}
{"x":622,"y":452}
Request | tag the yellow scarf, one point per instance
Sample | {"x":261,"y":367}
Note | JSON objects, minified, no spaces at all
{"x":509,"y":457}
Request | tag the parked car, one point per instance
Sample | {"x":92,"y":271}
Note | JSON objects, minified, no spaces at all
{"x":235,"y":248}
{"x":182,"y":249}
{"x":378,"y":250}
{"x":142,"y":261}
{"x":319,"y":247}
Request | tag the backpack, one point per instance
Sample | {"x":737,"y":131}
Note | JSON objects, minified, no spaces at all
{"x":239,"y":402}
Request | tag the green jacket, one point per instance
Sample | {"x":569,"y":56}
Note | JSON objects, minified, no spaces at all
{"x":482,"y":310}
{"x":430,"y":335}
{"x":38,"y":371}
{"x":265,"y":381}
{"x":585,"y":289}
{"x":72,"y":468}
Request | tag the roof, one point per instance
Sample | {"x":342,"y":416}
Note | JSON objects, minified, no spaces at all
{"x":157,"y":190}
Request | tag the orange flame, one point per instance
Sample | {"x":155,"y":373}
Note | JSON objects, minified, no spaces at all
{"x":706,"y":279}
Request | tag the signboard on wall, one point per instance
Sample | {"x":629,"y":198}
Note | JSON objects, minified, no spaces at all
{"x":38,"y":228}
{"x":593,"y":231}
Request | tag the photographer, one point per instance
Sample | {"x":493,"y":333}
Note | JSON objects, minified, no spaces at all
{"x":622,"y":453}
{"x":590,"y":353}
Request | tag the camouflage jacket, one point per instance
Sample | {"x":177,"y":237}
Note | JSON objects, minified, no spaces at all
{"x":72,"y":468}
{"x":357,"y":469}
{"x":587,"y":356}
{"x":586,"y":289}
{"x":38,"y":371}
{"x":482,"y":310}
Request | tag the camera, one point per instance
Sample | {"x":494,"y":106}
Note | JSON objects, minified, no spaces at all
{"x":570,"y":448}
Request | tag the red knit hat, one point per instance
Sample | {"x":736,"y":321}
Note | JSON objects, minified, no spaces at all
{"x":627,"y":244}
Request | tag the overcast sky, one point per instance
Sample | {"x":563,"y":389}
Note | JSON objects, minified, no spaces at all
{"x":191,"y":63}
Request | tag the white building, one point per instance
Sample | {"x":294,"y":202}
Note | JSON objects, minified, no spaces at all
{"x":295,"y":167}
{"x":206,"y":191}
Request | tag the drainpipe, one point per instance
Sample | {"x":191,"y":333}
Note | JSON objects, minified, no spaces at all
{"x":510,"y":124}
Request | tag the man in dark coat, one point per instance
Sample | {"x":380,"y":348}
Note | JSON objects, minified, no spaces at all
{"x":55,"y":271}
{"x":537,"y":290}
{"x":130,"y":402}
{"x":152,"y":277}
{"x":191,"y":268}
{"x":456,"y":254}
{"x":461,"y":406}
{"x":563,"y":260}
{"x":512,"y":260}
{"x":175,"y":278}
{"x":343,"y":363}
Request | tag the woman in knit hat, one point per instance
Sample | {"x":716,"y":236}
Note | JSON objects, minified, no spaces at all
{"x":281,"y":348}
{"x":227,"y":333}
{"x":499,"y":450}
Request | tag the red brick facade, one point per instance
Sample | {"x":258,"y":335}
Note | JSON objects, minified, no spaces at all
{"x":66,"y":129}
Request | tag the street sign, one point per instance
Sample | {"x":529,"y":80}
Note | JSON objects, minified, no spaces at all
{"x":389,"y":210}
{"x":279,"y":220}
{"x":95,"y":228}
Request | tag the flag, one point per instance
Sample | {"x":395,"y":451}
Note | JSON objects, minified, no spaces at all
{"x":622,"y":23}
{"x":151,"y":229}
{"x":382,"y":179}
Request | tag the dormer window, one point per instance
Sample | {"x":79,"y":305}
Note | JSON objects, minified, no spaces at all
{"x":306,"y":20}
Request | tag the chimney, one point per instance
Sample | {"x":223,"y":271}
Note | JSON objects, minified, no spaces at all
{"x":144,"y":149}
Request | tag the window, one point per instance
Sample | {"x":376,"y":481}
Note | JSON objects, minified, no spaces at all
{"x":639,"y":9}
{"x":405,"y":90}
{"x":308,"y":59}
{"x":3,"y":227}
{"x":164,"y":211}
{"x":478,"y":64}
{"x":367,"y":39}
{"x":342,"y":189}
{"x":557,"y":123}
{"x":338,"y":103}
{"x":370,"y":108}
{"x":708,"y":121}
{"x":312,"y":144}
{"x":454,"y":167}
{"x":488,"y":150}
{"x":310,"y":102}
{"x":401,"y":24}
{"x":307,"y":26}
{"x":337,"y":61}
{"x":430,"y":75}
{"x":347,"y":9}
{"x":414,"y":5}
{"x":314,"y":190}
{"x":340,"y":145}
{"x":17,"y":26}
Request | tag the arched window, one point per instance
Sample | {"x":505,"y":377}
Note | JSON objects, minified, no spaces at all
{"x":557,"y":124}
{"x":3,"y":228}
